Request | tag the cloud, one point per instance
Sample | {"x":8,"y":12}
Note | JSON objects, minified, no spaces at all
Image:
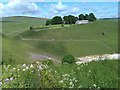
{"x":17,"y":7}
{"x":75,"y":10}
{"x":1,"y":9}
{"x":59,"y":7}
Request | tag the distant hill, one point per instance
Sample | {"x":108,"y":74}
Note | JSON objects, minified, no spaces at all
{"x":20,"y":23}
{"x":109,"y":18}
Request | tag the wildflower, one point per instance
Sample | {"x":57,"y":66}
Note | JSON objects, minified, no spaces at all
{"x":39,"y":67}
{"x":76,"y":80}
{"x":24,"y":65}
{"x":79,"y":86}
{"x":71,"y":83}
{"x":0,"y":83}
{"x":18,"y":69}
{"x":8,"y":66}
{"x":78,"y":68}
{"x":32,"y":71}
{"x":23,"y":69}
{"x":94,"y":85}
{"x":89,"y":71}
{"x":37,"y":62}
{"x":55,"y":71}
{"x":31,"y":66}
{"x":61,"y":81}
{"x":27,"y":67}
{"x":14,"y":68}
{"x":11,"y":78}
{"x":6,"y":79}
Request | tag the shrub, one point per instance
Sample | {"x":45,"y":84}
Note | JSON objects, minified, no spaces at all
{"x":68,"y":59}
{"x":47,"y":62}
{"x":31,"y":27}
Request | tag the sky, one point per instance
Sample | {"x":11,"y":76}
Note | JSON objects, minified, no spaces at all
{"x":47,"y":9}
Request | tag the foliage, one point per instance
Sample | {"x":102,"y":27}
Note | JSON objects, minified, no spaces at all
{"x":48,"y":62}
{"x":56,"y":20}
{"x":81,"y":17}
{"x":92,"y":17}
{"x":68,"y":59}
{"x":31,"y":28}
{"x":48,"y":22}
{"x":70,"y":19}
{"x":93,"y":75}
{"x":86,"y":17}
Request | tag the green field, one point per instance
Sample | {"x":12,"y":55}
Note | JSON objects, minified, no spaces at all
{"x":17,"y":24}
{"x":18,"y":41}
{"x":57,"y":41}
{"x":82,"y":39}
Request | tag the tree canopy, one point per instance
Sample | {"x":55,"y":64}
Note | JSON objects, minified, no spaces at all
{"x":81,"y":17}
{"x":70,"y":19}
{"x":56,"y":20}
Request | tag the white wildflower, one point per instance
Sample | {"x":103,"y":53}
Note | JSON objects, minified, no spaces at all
{"x":23,"y":69}
{"x":31,"y":66}
{"x":27,"y":67}
{"x":76,"y":80}
{"x":61,"y":81}
{"x":18,"y":69}
{"x":39,"y":67}
{"x":11,"y":78}
{"x":71,"y":83}
{"x":94,"y":85}
{"x":32,"y":71}
{"x":6,"y":79}
{"x":37,"y":62}
{"x":14,"y":68}
{"x":89,"y":71}
{"x":24,"y":65}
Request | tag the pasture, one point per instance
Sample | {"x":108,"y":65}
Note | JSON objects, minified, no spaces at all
{"x":78,"y":40}
{"x":55,"y":41}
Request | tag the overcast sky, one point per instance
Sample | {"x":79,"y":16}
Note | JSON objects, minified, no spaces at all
{"x":47,"y":9}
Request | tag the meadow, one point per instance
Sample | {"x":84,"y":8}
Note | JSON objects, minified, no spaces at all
{"x":78,"y":40}
{"x":21,"y":71}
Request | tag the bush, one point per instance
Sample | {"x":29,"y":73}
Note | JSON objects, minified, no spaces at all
{"x":68,"y":59}
{"x":47,"y":22}
{"x":47,"y":62}
{"x":31,"y":27}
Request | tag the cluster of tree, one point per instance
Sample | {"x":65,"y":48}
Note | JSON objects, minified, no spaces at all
{"x":70,"y":19}
{"x":68,"y":59}
{"x":90,"y":17}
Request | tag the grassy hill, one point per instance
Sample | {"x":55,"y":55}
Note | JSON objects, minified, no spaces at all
{"x":82,"y":39}
{"x":89,"y":39}
{"x":17,"y":24}
{"x":57,"y":41}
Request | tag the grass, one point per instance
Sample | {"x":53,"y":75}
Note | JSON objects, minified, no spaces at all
{"x":18,"y":24}
{"x":15,"y":52}
{"x":77,"y":32}
{"x":95,"y":75}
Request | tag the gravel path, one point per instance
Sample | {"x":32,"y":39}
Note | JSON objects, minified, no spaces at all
{"x":42,"y":57}
{"x":90,"y":58}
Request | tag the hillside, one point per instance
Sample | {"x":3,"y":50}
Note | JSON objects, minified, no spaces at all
{"x":78,"y":40}
{"x":18,"y":24}
{"x":32,"y":58}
